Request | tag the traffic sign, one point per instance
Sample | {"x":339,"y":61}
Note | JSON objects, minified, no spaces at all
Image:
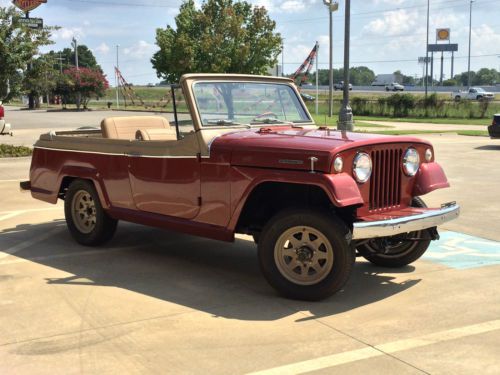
{"x":28,"y":5}
{"x":32,"y":23}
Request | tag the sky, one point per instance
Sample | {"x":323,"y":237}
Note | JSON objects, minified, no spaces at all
{"x":386,"y":35}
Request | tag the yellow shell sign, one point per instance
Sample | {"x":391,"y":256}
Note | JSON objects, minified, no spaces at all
{"x":28,"y":5}
{"x":443,"y":34}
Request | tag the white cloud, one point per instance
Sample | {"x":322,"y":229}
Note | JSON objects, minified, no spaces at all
{"x":389,"y":2}
{"x":393,"y":23}
{"x":103,"y":48}
{"x":140,"y":50}
{"x":68,"y":33}
{"x":483,"y":38}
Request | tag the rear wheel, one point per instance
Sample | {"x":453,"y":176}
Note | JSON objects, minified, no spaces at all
{"x":87,"y":221}
{"x":396,"y":251}
{"x":306,"y":254}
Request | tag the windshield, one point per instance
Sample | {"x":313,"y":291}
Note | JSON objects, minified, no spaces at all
{"x":247,"y":103}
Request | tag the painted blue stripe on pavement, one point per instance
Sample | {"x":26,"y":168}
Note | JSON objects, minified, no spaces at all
{"x":461,"y":251}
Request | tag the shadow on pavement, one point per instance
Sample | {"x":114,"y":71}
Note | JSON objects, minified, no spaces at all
{"x":489,"y":147}
{"x":198,"y":273}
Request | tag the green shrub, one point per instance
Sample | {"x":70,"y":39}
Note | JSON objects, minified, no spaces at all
{"x":10,"y":151}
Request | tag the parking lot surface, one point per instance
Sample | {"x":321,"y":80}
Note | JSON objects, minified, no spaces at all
{"x":153,"y":301}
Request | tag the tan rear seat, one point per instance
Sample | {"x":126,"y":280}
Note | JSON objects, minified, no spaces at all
{"x":156,"y":135}
{"x":126,"y":127}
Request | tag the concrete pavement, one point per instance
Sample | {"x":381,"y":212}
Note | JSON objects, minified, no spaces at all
{"x":156,"y":302}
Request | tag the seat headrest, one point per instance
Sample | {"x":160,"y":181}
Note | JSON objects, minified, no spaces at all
{"x":156,"y":135}
{"x":126,"y":127}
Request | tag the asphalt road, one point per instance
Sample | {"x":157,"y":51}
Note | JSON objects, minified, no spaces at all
{"x":156,"y":302}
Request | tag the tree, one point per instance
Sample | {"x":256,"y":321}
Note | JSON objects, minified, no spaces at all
{"x":84,"y":81}
{"x":486,"y":76}
{"x":18,"y":46}
{"x":221,"y":37}
{"x":39,"y":80}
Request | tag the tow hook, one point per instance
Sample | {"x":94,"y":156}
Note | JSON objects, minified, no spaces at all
{"x":433,"y":233}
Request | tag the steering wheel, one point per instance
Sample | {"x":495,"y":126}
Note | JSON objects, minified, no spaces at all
{"x":265,"y":115}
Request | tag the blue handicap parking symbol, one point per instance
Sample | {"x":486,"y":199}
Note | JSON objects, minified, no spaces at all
{"x":461,"y":251}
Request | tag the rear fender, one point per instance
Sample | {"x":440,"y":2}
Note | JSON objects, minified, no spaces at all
{"x":86,"y":173}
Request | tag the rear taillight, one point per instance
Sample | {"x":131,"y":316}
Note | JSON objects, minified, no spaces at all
{"x":2,"y":112}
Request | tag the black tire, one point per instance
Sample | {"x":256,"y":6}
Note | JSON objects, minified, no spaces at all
{"x":335,"y":240}
{"x":403,"y":252}
{"x":387,"y":89}
{"x":100,"y":228}
{"x":457,"y":98}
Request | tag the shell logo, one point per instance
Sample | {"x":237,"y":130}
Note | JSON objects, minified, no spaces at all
{"x":443,"y":34}
{"x":28,"y":5}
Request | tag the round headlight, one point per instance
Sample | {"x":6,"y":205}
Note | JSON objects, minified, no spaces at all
{"x":428,"y":155}
{"x":411,"y":162}
{"x":362,"y":167}
{"x":338,"y":164}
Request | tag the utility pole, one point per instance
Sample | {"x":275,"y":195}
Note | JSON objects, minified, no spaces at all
{"x":116,"y":77}
{"x":427,"y":51}
{"x":332,"y":7}
{"x":470,"y":33}
{"x":345,"y":115}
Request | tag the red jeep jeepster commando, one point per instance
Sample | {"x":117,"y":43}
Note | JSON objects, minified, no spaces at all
{"x":245,"y":156}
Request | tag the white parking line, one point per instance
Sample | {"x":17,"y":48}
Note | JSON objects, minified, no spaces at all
{"x":10,"y":215}
{"x":66,"y":255}
{"x":19,"y":212}
{"x":380,"y":350}
{"x":23,"y":245}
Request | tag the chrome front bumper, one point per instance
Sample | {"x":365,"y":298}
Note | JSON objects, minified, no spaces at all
{"x":391,"y":227}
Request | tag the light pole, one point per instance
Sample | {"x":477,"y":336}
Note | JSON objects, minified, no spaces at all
{"x":427,"y":51}
{"x":470,"y":33}
{"x":79,"y":95}
{"x":282,"y":57}
{"x":116,"y":77}
{"x":345,"y":114}
{"x":332,"y":7}
{"x":317,"y":82}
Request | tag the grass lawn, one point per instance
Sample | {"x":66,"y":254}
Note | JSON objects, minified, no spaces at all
{"x":9,"y":151}
{"x":479,"y":133}
{"x":454,"y":121}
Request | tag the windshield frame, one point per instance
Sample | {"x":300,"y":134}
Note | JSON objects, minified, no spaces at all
{"x":310,"y":120}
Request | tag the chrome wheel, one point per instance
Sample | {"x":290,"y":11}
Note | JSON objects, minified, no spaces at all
{"x":83,"y":211}
{"x":303,"y":255}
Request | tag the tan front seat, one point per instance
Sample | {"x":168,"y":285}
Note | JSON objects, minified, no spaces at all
{"x":126,"y":127}
{"x":156,"y":135}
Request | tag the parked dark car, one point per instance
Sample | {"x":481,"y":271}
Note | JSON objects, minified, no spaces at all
{"x":494,"y":128}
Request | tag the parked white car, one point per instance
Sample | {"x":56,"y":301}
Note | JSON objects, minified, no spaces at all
{"x":394,"y":86}
{"x":474,"y":93}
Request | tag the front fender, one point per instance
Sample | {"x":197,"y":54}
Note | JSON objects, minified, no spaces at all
{"x":341,"y":188}
{"x":429,"y":178}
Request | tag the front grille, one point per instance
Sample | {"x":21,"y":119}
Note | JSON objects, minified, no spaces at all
{"x":385,"y":185}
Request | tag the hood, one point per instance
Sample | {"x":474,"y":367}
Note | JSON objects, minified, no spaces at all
{"x":292,"y":148}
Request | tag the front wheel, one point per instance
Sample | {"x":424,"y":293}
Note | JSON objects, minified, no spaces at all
{"x":87,"y":221}
{"x":306,"y":254}
{"x":396,"y":251}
